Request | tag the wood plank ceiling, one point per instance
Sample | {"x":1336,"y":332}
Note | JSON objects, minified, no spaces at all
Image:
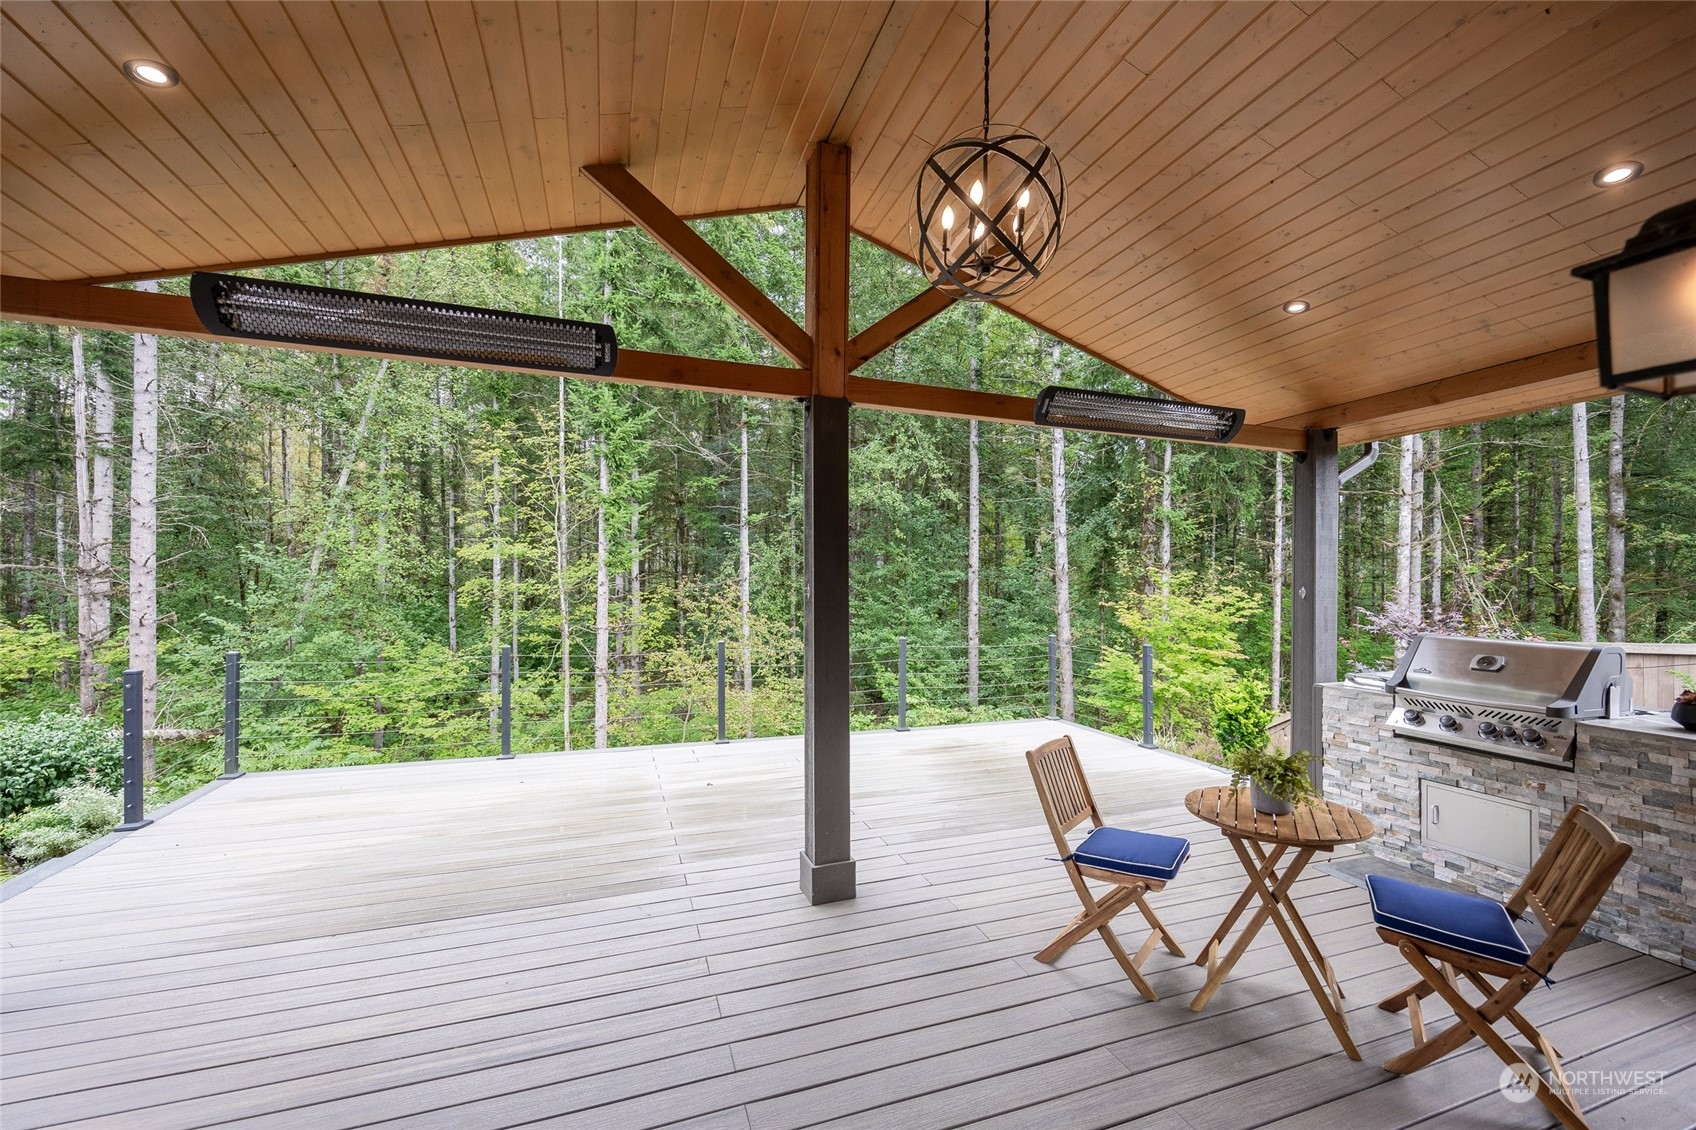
{"x":1420,"y":173}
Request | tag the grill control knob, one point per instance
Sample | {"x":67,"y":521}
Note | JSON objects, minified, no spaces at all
{"x":1530,"y":736}
{"x":1413,"y":717}
{"x":1488,"y":730}
{"x":1449,"y":723}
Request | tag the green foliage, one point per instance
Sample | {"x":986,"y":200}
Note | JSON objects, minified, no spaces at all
{"x":78,"y":814}
{"x":1241,"y":719}
{"x":1280,"y":773}
{"x":33,"y":659}
{"x":1198,"y":658}
{"x":39,"y":757}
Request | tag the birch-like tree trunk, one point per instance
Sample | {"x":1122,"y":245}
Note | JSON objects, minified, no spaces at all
{"x":453,"y":571}
{"x":1404,"y":526}
{"x":1585,"y":545}
{"x":1434,"y":454}
{"x":1416,"y":546}
{"x":102,"y":501}
{"x":1166,"y":521}
{"x":1478,"y":494}
{"x":144,"y":532}
{"x":562,"y":560}
{"x":1616,"y":519}
{"x":383,"y":517}
{"x":85,"y":528}
{"x":602,"y":594}
{"x":59,"y":552}
{"x":974,"y":546}
{"x":495,"y":595}
{"x":744,"y":576}
{"x":1277,"y":581}
{"x":635,"y":636}
{"x":1062,"y":569}
{"x":517,"y":562}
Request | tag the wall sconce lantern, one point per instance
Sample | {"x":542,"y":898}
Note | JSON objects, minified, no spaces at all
{"x":1646,"y":307}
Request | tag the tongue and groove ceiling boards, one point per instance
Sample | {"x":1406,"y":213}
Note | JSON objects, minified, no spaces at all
{"x":1419,"y":173}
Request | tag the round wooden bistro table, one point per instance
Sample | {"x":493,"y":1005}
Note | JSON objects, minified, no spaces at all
{"x":1261,"y":842}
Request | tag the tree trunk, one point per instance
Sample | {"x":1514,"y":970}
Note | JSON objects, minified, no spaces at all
{"x":1416,"y":547}
{"x":602,"y":594}
{"x":744,"y":568}
{"x":1405,"y":527}
{"x":974,"y":545}
{"x":1166,"y":522}
{"x":1585,"y":548}
{"x":1478,"y":494}
{"x":383,"y":518}
{"x":495,"y":594}
{"x":562,"y":557}
{"x":1277,"y":581}
{"x":59,"y":553}
{"x":85,"y":529}
{"x":517,"y":562}
{"x":1062,"y":571}
{"x":144,"y":531}
{"x":1435,"y":454}
{"x":453,"y":571}
{"x":1557,"y":543}
{"x":635,"y":637}
{"x":1616,"y":520}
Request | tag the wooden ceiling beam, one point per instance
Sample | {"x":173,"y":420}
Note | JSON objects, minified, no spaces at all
{"x":895,"y":325}
{"x":1499,"y":390}
{"x":706,"y":264}
{"x":827,"y":266}
{"x":133,"y":311}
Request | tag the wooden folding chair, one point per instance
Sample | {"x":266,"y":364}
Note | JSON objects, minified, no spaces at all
{"x":1134,"y":863}
{"x":1450,"y":936}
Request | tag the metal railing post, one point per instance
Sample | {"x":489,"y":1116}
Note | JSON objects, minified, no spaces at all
{"x":506,"y":702}
{"x":133,"y":817}
{"x":901,"y":685}
{"x":1053,"y":676}
{"x":1148,"y":696}
{"x":232,"y":716}
{"x":720,"y":740}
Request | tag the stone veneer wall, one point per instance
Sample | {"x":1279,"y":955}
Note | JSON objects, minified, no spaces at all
{"x":1639,"y":783}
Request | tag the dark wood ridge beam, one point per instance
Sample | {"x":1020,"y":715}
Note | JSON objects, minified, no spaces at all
{"x":134,"y":311}
{"x":1463,"y":398}
{"x":1005,"y":408}
{"x":895,"y":325}
{"x":713,"y":269}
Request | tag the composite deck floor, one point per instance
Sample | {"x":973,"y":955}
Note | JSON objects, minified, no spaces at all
{"x":616,"y":940}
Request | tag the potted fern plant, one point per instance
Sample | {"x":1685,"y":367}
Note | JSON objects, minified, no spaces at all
{"x":1684,"y":703}
{"x":1277,"y":779}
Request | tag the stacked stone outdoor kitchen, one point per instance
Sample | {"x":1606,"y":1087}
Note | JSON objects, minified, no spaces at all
{"x":1637,"y":773}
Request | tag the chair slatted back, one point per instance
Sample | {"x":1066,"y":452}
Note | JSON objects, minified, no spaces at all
{"x":1569,"y":880}
{"x":1060,"y":785}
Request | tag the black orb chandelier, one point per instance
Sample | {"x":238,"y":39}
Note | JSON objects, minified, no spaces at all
{"x":991,"y":204}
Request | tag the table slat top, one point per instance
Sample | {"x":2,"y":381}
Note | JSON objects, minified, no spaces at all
{"x":1314,"y":823}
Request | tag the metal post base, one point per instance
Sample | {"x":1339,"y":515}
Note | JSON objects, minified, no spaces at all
{"x":232,"y":776}
{"x":827,"y":882}
{"x":132,"y":827}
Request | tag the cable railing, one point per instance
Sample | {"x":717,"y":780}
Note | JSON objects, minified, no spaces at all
{"x":291,"y":713}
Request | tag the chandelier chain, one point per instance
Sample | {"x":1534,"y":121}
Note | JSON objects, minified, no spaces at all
{"x":986,"y":69}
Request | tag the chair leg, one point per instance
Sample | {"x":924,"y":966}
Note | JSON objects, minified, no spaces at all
{"x":1472,"y":1022}
{"x":1397,"y":1000}
{"x":1096,"y":914}
{"x":1128,"y":964}
{"x":1159,"y":928}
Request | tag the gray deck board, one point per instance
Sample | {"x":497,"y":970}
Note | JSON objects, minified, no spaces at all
{"x":614,"y":939}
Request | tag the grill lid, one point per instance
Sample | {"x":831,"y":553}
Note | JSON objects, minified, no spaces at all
{"x":1553,"y":679}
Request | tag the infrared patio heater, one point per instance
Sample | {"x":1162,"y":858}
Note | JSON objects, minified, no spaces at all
{"x":356,"y":322}
{"x":1122,"y":414}
{"x":1646,"y":307}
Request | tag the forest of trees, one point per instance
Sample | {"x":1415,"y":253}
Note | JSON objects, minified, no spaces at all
{"x":370,"y":534}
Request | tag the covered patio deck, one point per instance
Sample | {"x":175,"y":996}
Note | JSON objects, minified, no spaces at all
{"x":614,"y":939}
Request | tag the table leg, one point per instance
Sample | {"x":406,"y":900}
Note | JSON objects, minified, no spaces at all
{"x":1219,"y":969}
{"x":1276,"y":903}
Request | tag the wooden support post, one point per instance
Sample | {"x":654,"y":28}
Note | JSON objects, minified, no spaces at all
{"x":1313,"y":620}
{"x":827,"y":864}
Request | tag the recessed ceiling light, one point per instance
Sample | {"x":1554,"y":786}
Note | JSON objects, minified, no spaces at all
{"x":1617,"y":174}
{"x":1295,"y":307}
{"x":150,"y":72}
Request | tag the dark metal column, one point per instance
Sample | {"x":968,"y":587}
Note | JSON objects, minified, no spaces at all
{"x":1313,"y":609}
{"x":827,"y":866}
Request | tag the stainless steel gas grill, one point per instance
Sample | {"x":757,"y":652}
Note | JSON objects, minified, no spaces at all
{"x":1508,"y":697}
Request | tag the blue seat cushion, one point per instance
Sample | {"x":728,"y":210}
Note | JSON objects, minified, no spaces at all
{"x":1468,"y":923}
{"x":1134,"y":853}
